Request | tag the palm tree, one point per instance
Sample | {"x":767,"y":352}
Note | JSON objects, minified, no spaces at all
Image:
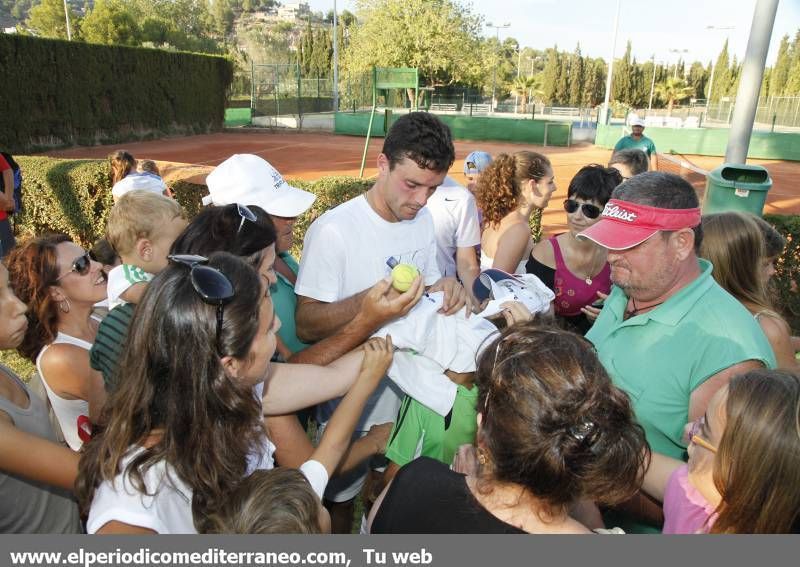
{"x":523,"y":87}
{"x":673,"y":90}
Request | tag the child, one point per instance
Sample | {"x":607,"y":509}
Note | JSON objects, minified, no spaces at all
{"x":148,"y":168}
{"x":121,"y":164}
{"x":125,"y":177}
{"x":141,"y":227}
{"x":743,"y":474}
{"x":286,"y":501}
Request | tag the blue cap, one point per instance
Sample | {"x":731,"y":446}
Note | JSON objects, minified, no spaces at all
{"x":482,"y":287}
{"x":476,"y":162}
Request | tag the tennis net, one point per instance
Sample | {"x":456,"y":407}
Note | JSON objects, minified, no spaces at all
{"x":679,"y":165}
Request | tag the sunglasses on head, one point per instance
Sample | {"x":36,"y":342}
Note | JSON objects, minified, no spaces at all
{"x":211,"y":285}
{"x":80,"y":266}
{"x":589,"y":211}
{"x":245,"y":214}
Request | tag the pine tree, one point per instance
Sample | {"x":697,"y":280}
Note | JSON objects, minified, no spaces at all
{"x":562,"y":87}
{"x":722,"y":76}
{"x":623,"y":78}
{"x":596,"y":82}
{"x":697,"y":79}
{"x":577,"y":78}
{"x":552,"y":70}
{"x":780,"y":72}
{"x":792,"y":87}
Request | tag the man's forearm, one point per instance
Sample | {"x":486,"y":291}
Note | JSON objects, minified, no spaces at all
{"x":467,"y":268}
{"x":316,"y":320}
{"x":354,"y":332}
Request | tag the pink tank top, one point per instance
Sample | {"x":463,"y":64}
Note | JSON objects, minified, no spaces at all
{"x":686,"y":511}
{"x":573,"y":292}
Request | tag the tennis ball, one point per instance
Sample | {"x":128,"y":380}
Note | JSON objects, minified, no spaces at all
{"x":403,"y":275}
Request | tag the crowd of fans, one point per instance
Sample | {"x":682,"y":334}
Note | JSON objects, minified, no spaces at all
{"x":629,"y":374}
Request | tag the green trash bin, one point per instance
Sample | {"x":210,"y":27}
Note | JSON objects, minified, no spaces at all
{"x":734,"y":187}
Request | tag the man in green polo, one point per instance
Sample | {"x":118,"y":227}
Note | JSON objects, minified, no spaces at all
{"x":668,"y":334}
{"x":638,"y":141}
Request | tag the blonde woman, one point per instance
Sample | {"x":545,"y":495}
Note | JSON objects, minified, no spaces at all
{"x":510,"y":190}
{"x":734,"y":244}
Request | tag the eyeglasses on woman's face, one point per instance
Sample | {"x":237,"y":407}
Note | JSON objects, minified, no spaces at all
{"x":80,"y":266}
{"x":589,"y":211}
{"x":695,"y":433}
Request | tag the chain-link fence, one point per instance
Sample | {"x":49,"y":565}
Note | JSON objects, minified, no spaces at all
{"x":774,"y":113}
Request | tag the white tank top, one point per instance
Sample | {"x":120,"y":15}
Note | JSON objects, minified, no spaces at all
{"x":486,"y":263}
{"x":71,"y":414}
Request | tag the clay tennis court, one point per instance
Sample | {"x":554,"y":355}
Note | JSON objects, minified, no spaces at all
{"x":314,"y":155}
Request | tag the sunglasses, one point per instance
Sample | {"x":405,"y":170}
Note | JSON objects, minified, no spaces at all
{"x":244,"y":214}
{"x":211,"y":285}
{"x":80,"y":266}
{"x":694,"y":434}
{"x":589,"y":211}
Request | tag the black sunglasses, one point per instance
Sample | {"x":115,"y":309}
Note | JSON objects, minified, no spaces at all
{"x":589,"y":211}
{"x":245,"y":214}
{"x":80,"y":266}
{"x":211,"y":285}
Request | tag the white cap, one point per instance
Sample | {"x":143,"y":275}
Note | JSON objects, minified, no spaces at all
{"x":250,"y":180}
{"x":138,"y":182}
{"x":636,"y":121}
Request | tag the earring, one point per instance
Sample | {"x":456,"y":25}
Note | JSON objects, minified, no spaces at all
{"x":482,"y":459}
{"x":64,"y":305}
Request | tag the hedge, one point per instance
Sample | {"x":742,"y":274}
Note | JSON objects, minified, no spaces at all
{"x":784,"y":285}
{"x":58,"y":93}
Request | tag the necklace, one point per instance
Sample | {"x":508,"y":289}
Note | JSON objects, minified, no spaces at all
{"x":636,"y":310}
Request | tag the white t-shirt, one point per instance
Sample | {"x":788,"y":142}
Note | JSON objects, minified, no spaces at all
{"x":316,"y":475}
{"x":455,"y":220}
{"x":122,"y":277}
{"x":168,"y":509}
{"x":345,"y":252}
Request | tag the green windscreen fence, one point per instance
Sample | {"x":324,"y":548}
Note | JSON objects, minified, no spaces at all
{"x":708,"y":141}
{"x":525,"y":131}
{"x":237,"y":117}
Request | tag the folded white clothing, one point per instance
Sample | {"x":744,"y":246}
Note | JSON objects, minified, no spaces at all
{"x":423,"y":379}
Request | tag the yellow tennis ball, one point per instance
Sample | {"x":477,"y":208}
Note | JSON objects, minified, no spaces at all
{"x":403,"y":275}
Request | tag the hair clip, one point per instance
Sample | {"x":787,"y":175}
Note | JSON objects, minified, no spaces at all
{"x":582,"y":430}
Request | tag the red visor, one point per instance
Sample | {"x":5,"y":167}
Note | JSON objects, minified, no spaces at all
{"x":623,"y":224}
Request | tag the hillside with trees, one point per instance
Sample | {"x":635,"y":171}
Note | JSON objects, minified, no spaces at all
{"x":451,"y":51}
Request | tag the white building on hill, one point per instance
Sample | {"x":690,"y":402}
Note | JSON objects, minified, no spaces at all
{"x":292,"y":11}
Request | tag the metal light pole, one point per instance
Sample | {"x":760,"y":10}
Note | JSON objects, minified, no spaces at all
{"x":494,"y":71}
{"x":713,"y":66}
{"x":519,"y":63}
{"x":679,"y":52}
{"x":66,"y":17}
{"x":611,"y":67}
{"x":335,"y":60}
{"x":652,"y":84}
{"x":744,"y":111}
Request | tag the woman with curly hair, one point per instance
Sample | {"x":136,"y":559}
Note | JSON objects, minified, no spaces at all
{"x":552,"y":430}
{"x":60,"y":284}
{"x":509,"y":191}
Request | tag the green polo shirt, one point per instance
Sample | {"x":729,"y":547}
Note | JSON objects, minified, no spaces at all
{"x":644,"y":143}
{"x":285,"y":302}
{"x":660,"y":357}
{"x":421,"y":432}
